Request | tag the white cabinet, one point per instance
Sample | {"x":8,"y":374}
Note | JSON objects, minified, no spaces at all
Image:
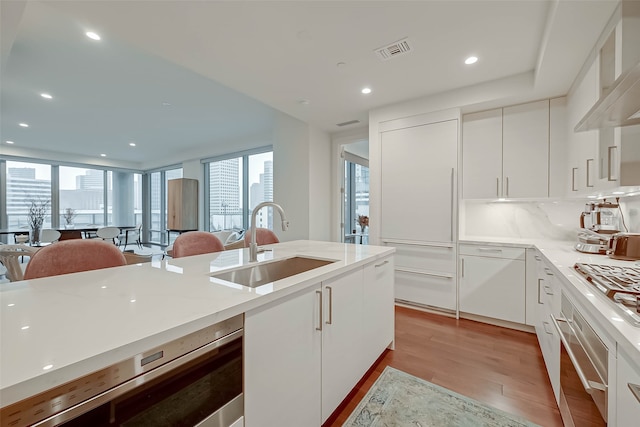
{"x":418,"y":182}
{"x":378,"y":309}
{"x":548,"y":305}
{"x":304,"y":354}
{"x":505,"y":152}
{"x":282,"y":361}
{"x":628,"y":403}
{"x":342,"y":358}
{"x":492,"y":282}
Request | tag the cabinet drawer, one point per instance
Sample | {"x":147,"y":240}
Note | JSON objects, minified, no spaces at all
{"x":424,"y":257}
{"x":493,"y":251}
{"x":426,"y":289}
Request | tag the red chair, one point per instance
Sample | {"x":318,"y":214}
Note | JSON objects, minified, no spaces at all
{"x":264,"y":236}
{"x":72,"y":256}
{"x":196,"y":243}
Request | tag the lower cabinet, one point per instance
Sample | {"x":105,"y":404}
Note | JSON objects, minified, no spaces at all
{"x":627,"y":381}
{"x":303,"y":354}
{"x":548,"y":305}
{"x":492,"y":282}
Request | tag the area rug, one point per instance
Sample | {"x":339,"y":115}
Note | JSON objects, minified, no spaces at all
{"x":400,"y":399}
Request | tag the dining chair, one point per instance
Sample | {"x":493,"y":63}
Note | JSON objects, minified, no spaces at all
{"x":196,"y":243}
{"x":129,"y":236}
{"x":134,"y":258}
{"x":49,"y":235}
{"x":108,"y":233}
{"x":72,"y":256}
{"x":264,"y":236}
{"x":9,"y":255}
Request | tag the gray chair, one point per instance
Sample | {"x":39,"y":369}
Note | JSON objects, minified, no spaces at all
{"x":108,"y":233}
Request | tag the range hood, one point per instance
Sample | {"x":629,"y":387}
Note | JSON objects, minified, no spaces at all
{"x":620,"y":106}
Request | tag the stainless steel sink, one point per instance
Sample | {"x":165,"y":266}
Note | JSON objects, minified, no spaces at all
{"x":256,"y":275}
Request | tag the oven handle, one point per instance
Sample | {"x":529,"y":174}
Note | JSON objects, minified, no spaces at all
{"x":589,"y":386}
{"x":131,"y":384}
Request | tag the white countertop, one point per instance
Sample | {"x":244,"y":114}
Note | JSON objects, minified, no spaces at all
{"x":601,"y":310}
{"x":59,"y":328}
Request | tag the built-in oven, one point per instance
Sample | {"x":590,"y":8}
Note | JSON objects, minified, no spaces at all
{"x":192,"y":381}
{"x":583,"y":370}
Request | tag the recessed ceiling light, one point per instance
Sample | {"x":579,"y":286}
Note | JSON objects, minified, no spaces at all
{"x":132,"y":144}
{"x":471,"y":60}
{"x":24,"y":125}
{"x":92,"y":35}
{"x":46,"y":96}
{"x":103,"y":155}
{"x":366,"y":90}
{"x":9,"y":142}
{"x":303,"y":102}
{"x":166,"y":104}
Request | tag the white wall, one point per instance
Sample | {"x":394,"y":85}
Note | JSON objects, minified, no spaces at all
{"x":319,"y":185}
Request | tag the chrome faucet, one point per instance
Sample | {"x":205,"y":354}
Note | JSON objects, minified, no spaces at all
{"x":253,"y":246}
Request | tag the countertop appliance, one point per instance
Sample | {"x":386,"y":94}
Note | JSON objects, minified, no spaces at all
{"x":598,"y":222}
{"x":583,"y":369}
{"x":195,"y":380}
{"x":624,"y":246}
{"x":620,"y":283}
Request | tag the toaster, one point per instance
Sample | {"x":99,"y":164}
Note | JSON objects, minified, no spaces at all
{"x":624,"y":246}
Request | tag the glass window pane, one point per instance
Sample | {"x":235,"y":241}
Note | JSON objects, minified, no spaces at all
{"x":27,"y":182}
{"x":156,"y":200}
{"x":225,"y":194}
{"x":124,"y":197}
{"x":362,"y":194}
{"x":261,"y":187}
{"x":82,"y":190}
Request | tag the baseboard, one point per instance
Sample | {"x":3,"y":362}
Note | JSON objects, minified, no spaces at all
{"x":498,"y":322}
{"x":425,"y":308}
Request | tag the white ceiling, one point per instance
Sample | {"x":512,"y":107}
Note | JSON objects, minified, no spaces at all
{"x":226,"y":66}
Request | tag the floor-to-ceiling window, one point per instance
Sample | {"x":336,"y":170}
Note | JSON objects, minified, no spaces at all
{"x":26,"y":183}
{"x":158,"y":201}
{"x":236,"y":184}
{"x":83,"y":191}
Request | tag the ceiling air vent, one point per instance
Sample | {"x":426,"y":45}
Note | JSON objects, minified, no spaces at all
{"x":400,"y":47}
{"x":350,"y":122}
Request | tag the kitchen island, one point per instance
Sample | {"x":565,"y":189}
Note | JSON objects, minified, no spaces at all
{"x":60,"y":328}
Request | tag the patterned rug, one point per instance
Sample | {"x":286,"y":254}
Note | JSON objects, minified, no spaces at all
{"x":400,"y":399}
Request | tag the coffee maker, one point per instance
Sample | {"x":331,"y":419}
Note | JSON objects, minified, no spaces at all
{"x":598,"y":222}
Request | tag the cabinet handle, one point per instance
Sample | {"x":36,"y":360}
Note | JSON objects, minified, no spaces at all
{"x":462,"y":267}
{"x":452,"y":202}
{"x":548,"y":271}
{"x":506,"y":181}
{"x":548,"y":290}
{"x":589,"y":173}
{"x":573,"y":179}
{"x":635,"y":389}
{"x":330,"y":321}
{"x":537,"y":258}
{"x":319,"y":328}
{"x":382,"y":263}
{"x":610,"y":163}
{"x":489,"y":250}
{"x":539,"y":280}
{"x":498,"y":187}
{"x":544,"y":326}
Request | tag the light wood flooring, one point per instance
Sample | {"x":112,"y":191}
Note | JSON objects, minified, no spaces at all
{"x":494,"y":365}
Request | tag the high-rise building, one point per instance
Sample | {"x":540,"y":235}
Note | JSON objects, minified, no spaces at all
{"x":225,"y":206}
{"x":92,"y":180}
{"x":22,"y":188}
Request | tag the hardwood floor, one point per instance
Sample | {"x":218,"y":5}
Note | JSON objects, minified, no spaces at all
{"x":497,"y":366}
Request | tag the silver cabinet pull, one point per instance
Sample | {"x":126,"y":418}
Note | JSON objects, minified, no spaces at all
{"x":319,"y":327}
{"x":573,"y":179}
{"x":498,"y":187}
{"x":462,"y":267}
{"x":489,"y":250}
{"x":506,"y":182}
{"x":548,"y":290}
{"x":382,"y":263}
{"x":539,"y":280}
{"x":635,"y":389}
{"x":610,"y":163}
{"x":544,"y":326}
{"x":548,"y":271}
{"x":452,"y":201}
{"x":330,"y":320}
{"x":589,"y":173}
{"x":537,"y":258}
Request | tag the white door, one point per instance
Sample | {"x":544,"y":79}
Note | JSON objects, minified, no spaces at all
{"x":282,"y":351}
{"x":418,"y":181}
{"x":341,"y":339}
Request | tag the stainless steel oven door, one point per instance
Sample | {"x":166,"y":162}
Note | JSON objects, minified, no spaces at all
{"x":583,"y":370}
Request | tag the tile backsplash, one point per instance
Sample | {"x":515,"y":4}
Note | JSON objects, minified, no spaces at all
{"x":557,"y":220}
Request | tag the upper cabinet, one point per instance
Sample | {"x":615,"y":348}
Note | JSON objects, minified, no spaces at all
{"x":505,"y":152}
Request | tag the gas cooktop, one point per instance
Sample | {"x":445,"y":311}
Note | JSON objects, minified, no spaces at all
{"x":621,"y":284}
